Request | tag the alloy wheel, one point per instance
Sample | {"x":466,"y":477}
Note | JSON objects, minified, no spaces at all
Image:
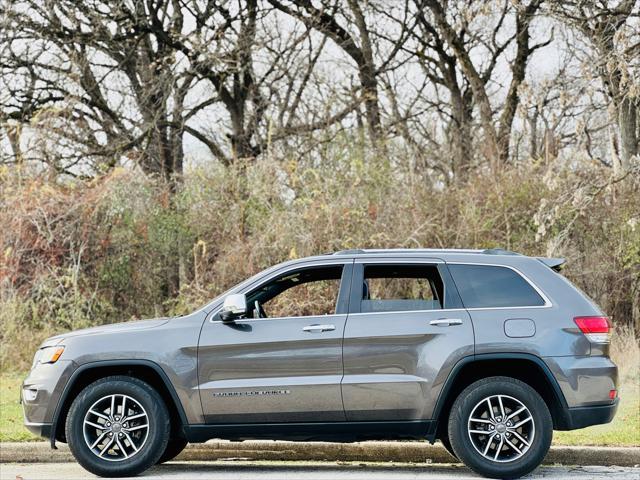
{"x":501,"y":428}
{"x":116,"y":427}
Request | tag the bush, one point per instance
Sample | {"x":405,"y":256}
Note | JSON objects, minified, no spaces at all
{"x":123,"y":246}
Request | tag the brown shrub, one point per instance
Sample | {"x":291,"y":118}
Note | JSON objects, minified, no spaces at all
{"x":76,"y":254}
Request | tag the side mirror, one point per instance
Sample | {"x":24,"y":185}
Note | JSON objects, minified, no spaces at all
{"x":234,"y":306}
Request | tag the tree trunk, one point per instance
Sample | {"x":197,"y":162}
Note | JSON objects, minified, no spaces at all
{"x":460,"y":134}
{"x":14,"y":134}
{"x":628,"y":127}
{"x":475,"y":81}
{"x":367,"y":74}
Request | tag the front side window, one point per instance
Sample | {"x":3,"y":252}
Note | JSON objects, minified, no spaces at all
{"x":489,"y":286}
{"x":301,"y":293}
{"x":398,"y":288}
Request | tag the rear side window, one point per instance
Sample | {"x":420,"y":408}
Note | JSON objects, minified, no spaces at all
{"x":487,"y":286}
{"x":400,"y":288}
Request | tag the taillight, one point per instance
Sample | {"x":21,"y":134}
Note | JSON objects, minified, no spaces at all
{"x":596,"y":329}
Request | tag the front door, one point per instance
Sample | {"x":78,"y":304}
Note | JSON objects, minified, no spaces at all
{"x":405,"y":332}
{"x":284,"y":363}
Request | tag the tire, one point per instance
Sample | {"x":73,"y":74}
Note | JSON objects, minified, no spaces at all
{"x":447,"y":445}
{"x":490,"y":454}
{"x":174,"y":447}
{"x":123,"y":447}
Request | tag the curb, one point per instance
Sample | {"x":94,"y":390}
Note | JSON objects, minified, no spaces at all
{"x":401,"y":452}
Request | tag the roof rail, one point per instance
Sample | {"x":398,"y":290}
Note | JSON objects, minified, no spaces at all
{"x":383,"y":251}
{"x":360,"y":251}
{"x":499,"y":251}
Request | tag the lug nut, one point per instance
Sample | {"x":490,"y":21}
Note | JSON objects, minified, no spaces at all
{"x":508,"y":424}
{"x":108,"y":424}
{"x":508,"y":434}
{"x":120,"y":435}
{"x":492,"y":427}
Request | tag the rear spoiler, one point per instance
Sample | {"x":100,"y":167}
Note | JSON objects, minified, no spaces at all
{"x":553,"y":263}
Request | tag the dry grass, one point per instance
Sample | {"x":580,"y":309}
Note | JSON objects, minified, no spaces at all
{"x":625,"y":352}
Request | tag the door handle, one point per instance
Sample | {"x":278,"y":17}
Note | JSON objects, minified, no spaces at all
{"x":446,"y":322}
{"x":319,"y":328}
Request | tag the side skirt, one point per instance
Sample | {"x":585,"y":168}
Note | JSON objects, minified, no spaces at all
{"x":315,"y":431}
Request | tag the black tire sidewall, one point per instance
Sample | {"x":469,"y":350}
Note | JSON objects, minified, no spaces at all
{"x":459,"y":438}
{"x":447,"y":446}
{"x":174,"y":447}
{"x":159,"y":426}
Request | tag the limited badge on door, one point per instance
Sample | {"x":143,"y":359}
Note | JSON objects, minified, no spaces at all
{"x":251,"y":393}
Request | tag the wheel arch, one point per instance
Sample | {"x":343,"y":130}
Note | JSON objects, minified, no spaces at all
{"x":526,"y":367}
{"x":144,"y":370}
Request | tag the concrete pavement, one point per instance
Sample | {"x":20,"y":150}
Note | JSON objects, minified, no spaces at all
{"x":256,"y":450}
{"x":235,"y":470}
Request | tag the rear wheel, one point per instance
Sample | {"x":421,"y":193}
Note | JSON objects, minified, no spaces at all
{"x":174,"y":447}
{"x":117,"y":427}
{"x":447,"y":445}
{"x":500,"y":427}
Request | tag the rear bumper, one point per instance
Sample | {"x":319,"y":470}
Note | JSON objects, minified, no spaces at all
{"x":581,"y":417}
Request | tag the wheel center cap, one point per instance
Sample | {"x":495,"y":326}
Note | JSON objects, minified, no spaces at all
{"x":501,"y":428}
{"x":116,"y":427}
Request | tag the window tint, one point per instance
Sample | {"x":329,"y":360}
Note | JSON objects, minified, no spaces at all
{"x":393,"y":288}
{"x":482,"y":286}
{"x":307,"y":292}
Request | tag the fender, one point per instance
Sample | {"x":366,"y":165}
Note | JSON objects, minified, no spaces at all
{"x":112,"y":363}
{"x":455,"y":371}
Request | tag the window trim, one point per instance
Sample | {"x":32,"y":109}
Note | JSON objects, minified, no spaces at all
{"x":345,"y":285}
{"x":547,"y":301}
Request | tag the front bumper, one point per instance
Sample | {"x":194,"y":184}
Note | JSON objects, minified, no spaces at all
{"x":581,"y":417}
{"x":39,"y":429}
{"x":40,"y":393}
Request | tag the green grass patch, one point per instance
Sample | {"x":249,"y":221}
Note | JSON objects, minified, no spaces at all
{"x":623,"y":431}
{"x":11,"y":421}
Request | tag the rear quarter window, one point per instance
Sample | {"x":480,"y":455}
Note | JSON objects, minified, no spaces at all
{"x":488,"y":286}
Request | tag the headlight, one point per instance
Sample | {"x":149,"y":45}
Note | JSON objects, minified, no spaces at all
{"x":49,"y":354}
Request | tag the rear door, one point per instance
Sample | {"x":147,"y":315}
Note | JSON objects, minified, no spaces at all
{"x":284,"y":364}
{"x":405,"y":331}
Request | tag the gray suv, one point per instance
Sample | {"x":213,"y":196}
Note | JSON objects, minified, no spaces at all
{"x":486,"y":351}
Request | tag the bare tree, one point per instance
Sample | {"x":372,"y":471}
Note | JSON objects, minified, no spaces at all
{"x":497,"y":126}
{"x":95,"y":84}
{"x":105,"y":86}
{"x":131,"y":80}
{"x":358,"y":46}
{"x":612,"y":29}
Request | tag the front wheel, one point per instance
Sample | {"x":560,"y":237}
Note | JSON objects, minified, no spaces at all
{"x":500,"y":427}
{"x":117,"y":427}
{"x":174,"y":448}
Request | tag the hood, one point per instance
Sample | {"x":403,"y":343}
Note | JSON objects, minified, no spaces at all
{"x":111,"y":328}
